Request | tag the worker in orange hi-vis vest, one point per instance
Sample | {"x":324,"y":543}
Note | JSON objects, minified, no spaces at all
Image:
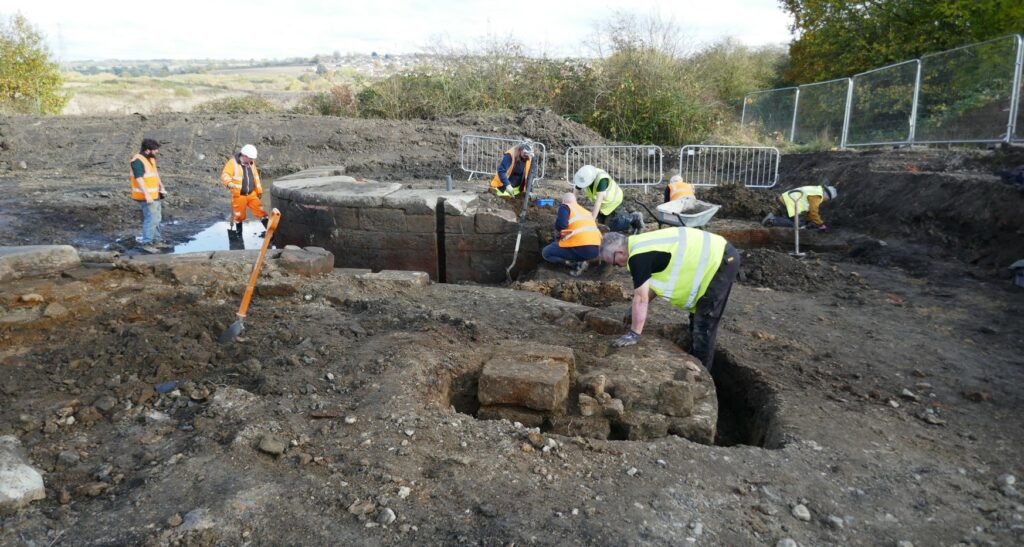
{"x":242,"y":178}
{"x":678,"y":189}
{"x":578,"y":238}
{"x":147,"y":191}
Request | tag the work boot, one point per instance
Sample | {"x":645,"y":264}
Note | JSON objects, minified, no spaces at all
{"x":265,"y":222}
{"x":579,"y":268}
{"x":232,"y":235}
{"x":238,"y":230}
{"x":637,"y":222}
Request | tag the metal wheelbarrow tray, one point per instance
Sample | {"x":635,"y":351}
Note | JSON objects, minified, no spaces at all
{"x":694,"y":215}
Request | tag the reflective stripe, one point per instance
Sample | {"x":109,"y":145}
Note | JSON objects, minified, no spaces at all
{"x":705,"y":250}
{"x":568,"y":235}
{"x":668,"y":288}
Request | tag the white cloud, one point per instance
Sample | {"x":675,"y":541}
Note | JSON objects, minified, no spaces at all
{"x":102,"y":29}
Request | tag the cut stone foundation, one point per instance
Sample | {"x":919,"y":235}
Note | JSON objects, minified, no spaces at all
{"x":382,"y":226}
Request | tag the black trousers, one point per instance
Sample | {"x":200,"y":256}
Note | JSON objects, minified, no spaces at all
{"x":708,"y":313}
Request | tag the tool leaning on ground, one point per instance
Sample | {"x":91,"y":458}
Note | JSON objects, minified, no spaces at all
{"x":519,"y":233}
{"x":237,"y":326}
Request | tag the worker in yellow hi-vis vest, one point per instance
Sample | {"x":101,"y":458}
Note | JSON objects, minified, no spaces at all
{"x":805,"y":200}
{"x":692,"y":269}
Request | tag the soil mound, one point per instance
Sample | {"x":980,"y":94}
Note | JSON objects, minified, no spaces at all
{"x":780,"y":271}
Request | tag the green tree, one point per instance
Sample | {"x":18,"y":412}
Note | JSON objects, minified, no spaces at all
{"x":30,"y":82}
{"x":836,"y":38}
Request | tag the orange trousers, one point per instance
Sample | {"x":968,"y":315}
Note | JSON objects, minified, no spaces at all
{"x":240,"y":203}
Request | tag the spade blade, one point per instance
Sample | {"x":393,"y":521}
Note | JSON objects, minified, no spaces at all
{"x":229,"y":335}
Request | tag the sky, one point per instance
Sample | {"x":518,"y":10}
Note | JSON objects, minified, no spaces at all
{"x":78,"y":30}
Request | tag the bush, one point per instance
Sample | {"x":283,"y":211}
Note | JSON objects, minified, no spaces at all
{"x":339,"y":101}
{"x":30,"y":82}
{"x":246,"y":104}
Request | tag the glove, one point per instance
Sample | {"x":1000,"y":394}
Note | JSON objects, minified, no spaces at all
{"x":627,"y":318}
{"x":626,"y":340}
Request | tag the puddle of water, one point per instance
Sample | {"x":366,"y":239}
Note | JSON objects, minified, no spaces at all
{"x":215,"y":238}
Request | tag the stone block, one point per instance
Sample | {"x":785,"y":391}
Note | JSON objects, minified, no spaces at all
{"x":590,"y":427}
{"x":589,"y":405}
{"x":414,"y":201}
{"x":20,"y":483}
{"x":398,"y":278}
{"x":36,"y":261}
{"x":540,"y":385}
{"x":676,"y":399}
{"x":604,"y":322}
{"x":643,"y":426}
{"x":699,"y":428}
{"x":334,"y":191}
{"x":495,"y":221}
{"x":346,"y":218}
{"x":421,"y":224}
{"x":308,"y":262}
{"x":537,"y":352}
{"x":382,"y":220}
{"x":458,"y":224}
{"x":525,"y":416}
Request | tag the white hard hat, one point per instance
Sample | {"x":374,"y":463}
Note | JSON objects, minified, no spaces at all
{"x":249,"y":150}
{"x":585,"y":176}
{"x":526,"y":147}
{"x":676,"y":178}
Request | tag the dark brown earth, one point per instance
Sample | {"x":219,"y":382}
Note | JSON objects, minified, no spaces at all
{"x":876,"y":382}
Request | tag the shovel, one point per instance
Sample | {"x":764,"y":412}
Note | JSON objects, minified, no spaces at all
{"x":519,"y":234}
{"x":229,"y":335}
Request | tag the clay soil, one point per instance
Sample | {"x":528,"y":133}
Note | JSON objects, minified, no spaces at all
{"x":876,"y":382}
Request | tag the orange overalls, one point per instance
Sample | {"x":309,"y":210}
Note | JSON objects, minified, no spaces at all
{"x":233,"y":178}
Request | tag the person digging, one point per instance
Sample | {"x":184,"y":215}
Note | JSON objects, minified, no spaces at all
{"x":694,"y":270}
{"x":607,"y":197}
{"x":241,"y":176}
{"x":809,"y":199}
{"x":578,"y":238}
{"x":514,"y":171}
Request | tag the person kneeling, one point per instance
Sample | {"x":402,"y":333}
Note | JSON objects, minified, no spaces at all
{"x":579,"y":239}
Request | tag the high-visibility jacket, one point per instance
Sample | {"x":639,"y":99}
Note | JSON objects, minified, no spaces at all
{"x":680,"y":189}
{"x":150,"y":179}
{"x":696,"y":256}
{"x":612,"y":196}
{"x":514,"y":154}
{"x":802,"y":204}
{"x":582,"y":229}
{"x":232,"y":174}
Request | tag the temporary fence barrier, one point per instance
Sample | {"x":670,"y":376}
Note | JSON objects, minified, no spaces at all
{"x":712,"y":165}
{"x":771,"y":111}
{"x":882,"y":105}
{"x":480,"y":155}
{"x":821,"y":111}
{"x":629,"y":165}
{"x":970,"y":94}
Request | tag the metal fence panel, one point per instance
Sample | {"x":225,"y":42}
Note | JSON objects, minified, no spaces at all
{"x":966,"y":93}
{"x":629,"y":165}
{"x":882,"y":105}
{"x":771,"y":111}
{"x":1017,"y":130}
{"x":821,"y":111}
{"x":711,"y":165}
{"x":480,"y":155}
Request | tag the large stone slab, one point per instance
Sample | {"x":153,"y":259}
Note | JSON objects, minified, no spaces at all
{"x":309,"y":262}
{"x":36,"y":261}
{"x":424,"y":201}
{"x":338,"y":191}
{"x":20,"y":483}
{"x":540,"y":385}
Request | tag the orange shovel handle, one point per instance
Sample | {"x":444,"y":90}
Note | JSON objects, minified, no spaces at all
{"x":275,"y":216}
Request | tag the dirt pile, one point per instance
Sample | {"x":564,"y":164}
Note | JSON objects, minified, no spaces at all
{"x":781,"y":271}
{"x":596,"y":294}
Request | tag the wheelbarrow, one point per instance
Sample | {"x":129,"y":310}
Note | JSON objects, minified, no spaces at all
{"x":692,"y":214}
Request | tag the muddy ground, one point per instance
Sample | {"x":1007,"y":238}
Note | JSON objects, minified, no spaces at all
{"x":876,"y":384}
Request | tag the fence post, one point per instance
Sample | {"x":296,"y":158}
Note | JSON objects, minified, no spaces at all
{"x":743,"y":115}
{"x":913,"y":108}
{"x":846,"y":114}
{"x":1011,"y":127}
{"x":796,"y":107}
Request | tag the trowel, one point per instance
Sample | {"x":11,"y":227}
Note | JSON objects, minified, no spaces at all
{"x":236,"y":327}
{"x":519,"y":233}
